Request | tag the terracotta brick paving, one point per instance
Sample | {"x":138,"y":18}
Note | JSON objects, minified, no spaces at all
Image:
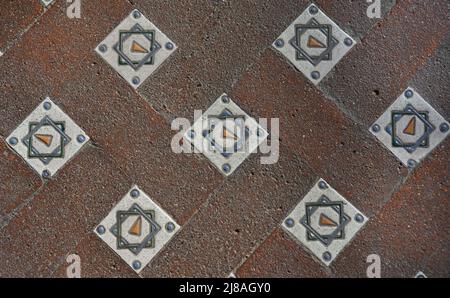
{"x":229,"y":224}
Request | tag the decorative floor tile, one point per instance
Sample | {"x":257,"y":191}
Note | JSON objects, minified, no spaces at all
{"x":420,"y":274}
{"x":136,"y":48}
{"x":314,"y":44}
{"x":47,"y":139}
{"x":410,"y":128}
{"x":46,"y":3}
{"x":137,"y":229}
{"x":325,"y":222}
{"x":226,"y":135}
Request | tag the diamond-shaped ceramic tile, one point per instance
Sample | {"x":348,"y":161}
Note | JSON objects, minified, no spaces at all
{"x":226,"y":135}
{"x":137,"y":229}
{"x":314,"y":44}
{"x":410,"y":128}
{"x":47,"y":139}
{"x":136,"y":48}
{"x":324,"y":222}
{"x":46,"y":2}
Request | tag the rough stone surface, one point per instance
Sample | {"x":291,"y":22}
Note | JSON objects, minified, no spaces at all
{"x":387,"y":59}
{"x":228,"y":224}
{"x":341,"y":151}
{"x":15,"y":18}
{"x":18,"y":182}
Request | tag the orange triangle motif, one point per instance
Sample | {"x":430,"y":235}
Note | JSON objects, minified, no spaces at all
{"x":46,"y":139}
{"x":137,"y":48}
{"x":314,"y":43}
{"x":229,"y":135}
{"x":411,"y":127}
{"x":136,"y":228}
{"x":326,"y":221}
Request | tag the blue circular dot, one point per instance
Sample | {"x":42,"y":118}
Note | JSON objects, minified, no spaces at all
{"x":134,"y":193}
{"x":409,"y":94}
{"x":170,"y":227}
{"x":169,"y":46}
{"x":13,"y":141}
{"x":444,"y":127}
{"x":136,"y":265}
{"x":322,"y":185}
{"x":313,"y":10}
{"x":279,"y":43}
{"x":136,"y":80}
{"x":326,"y":256}
{"x":81,"y":138}
{"x":289,"y":222}
{"x":226,"y":168}
{"x":315,"y":75}
{"x":359,"y":218}
{"x":46,"y":174}
{"x":376,"y":128}
{"x":101,"y":230}
{"x":47,"y":106}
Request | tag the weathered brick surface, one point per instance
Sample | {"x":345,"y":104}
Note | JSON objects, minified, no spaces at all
{"x":432,"y":80}
{"x":16,"y":16}
{"x":37,"y":240}
{"x":228,"y":223}
{"x":279,"y":255}
{"x":239,"y":215}
{"x":219,"y":40}
{"x":101,"y":102}
{"x":17,"y":181}
{"x":338,"y":149}
{"x":377,"y":70}
{"x":409,"y":234}
{"x":96,"y":260}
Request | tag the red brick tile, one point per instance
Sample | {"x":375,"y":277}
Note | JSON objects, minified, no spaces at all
{"x":411,"y":232}
{"x":377,"y":70}
{"x":237,"y":218}
{"x":335,"y":147}
{"x":15,"y":18}
{"x":70,"y":206}
{"x":280,"y":256}
{"x":17,"y":181}
{"x":102,"y":103}
{"x":219,"y":40}
{"x":96,"y":260}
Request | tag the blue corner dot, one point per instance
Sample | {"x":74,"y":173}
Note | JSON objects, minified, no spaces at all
{"x":81,"y":138}
{"x":136,"y":265}
{"x":444,"y":127}
{"x":46,"y":174}
{"x":315,"y":75}
{"x":47,"y":105}
{"x":409,"y":94}
{"x":134,"y":193}
{"x":289,"y":222}
{"x":326,"y":256}
{"x":226,"y":168}
{"x":13,"y":141}
{"x":170,"y":227}
{"x":101,"y":230}
{"x":169,"y":46}
{"x":376,"y":128}
{"x":323,"y":185}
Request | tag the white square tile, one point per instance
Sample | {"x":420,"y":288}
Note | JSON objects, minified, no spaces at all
{"x":410,"y":128}
{"x":226,"y":135}
{"x":136,"y":48}
{"x":324,"y":222}
{"x":136,"y":229}
{"x":314,"y":44}
{"x":47,"y":139}
{"x":46,"y":3}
